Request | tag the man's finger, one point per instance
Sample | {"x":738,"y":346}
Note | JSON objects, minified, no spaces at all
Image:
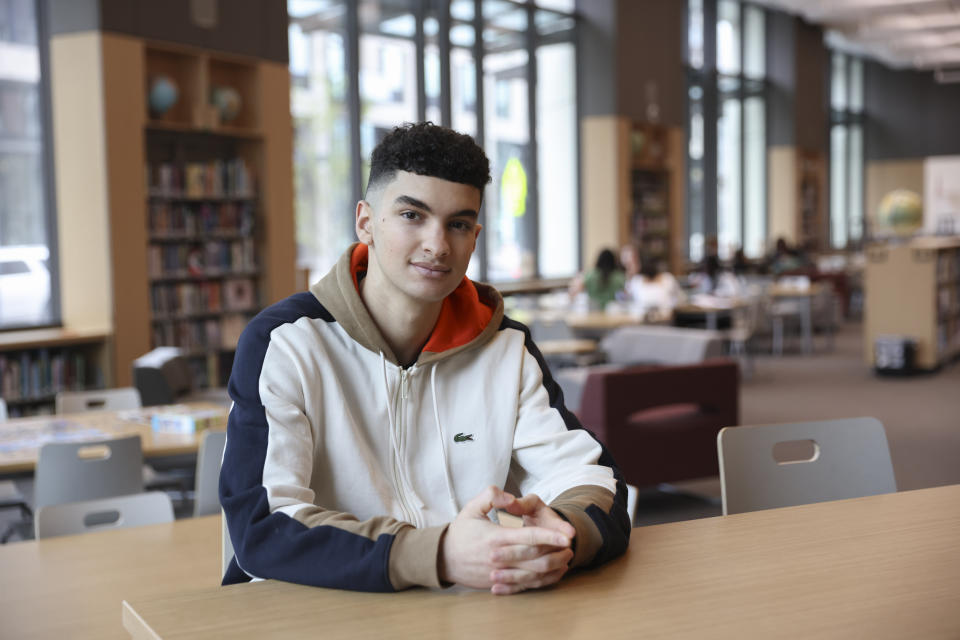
{"x":523,"y":570}
{"x":531,"y":536}
{"x":490,"y":498}
{"x":501,"y":588}
{"x":508,"y":556}
{"x":528,"y":505}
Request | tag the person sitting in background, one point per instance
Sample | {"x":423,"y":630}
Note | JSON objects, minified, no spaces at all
{"x":784,"y":258}
{"x":602,"y":283}
{"x":653,"y":291}
{"x":630,"y":261}
{"x":715,"y":280}
{"x":741,"y":266}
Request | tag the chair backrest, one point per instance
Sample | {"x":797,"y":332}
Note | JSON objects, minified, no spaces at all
{"x":72,"y":471}
{"x":206,"y":499}
{"x":103,"y":514}
{"x":226,"y":545}
{"x":661,"y":345}
{"x":846,"y":458}
{"x":98,"y":400}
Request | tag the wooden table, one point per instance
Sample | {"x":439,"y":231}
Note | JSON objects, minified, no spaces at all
{"x":73,"y":586}
{"x":595,"y":324}
{"x":573,"y":346}
{"x":21,"y":438}
{"x":878,"y":567}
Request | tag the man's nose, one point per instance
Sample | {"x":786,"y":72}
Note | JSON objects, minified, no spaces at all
{"x":436,"y":242}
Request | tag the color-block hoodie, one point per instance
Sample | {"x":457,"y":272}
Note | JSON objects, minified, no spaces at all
{"x":343,"y":469}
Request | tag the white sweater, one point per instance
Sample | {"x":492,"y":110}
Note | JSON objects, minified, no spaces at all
{"x":343,"y":468}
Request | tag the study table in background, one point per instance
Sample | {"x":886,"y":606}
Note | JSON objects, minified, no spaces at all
{"x":878,"y":567}
{"x":21,"y":438}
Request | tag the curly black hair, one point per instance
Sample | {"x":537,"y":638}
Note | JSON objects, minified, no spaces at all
{"x":428,"y":149}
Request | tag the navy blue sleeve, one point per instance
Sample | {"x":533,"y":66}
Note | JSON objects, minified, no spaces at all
{"x":272,"y":544}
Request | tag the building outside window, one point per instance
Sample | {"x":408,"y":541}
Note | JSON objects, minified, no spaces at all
{"x":28,"y":280}
{"x":464,"y":64}
{"x":846,"y":151}
{"x":726,"y":128}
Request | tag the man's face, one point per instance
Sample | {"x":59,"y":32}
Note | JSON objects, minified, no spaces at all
{"x":421,"y":232}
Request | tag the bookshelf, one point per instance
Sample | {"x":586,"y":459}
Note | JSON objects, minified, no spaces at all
{"x":650,"y":185}
{"x":202,"y":256}
{"x":37,"y":364}
{"x":191,"y":228}
{"x":912,"y":289}
{"x":812,"y":233}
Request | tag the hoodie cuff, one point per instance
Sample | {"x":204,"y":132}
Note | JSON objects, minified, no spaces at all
{"x":413,"y":557}
{"x":588,"y":539}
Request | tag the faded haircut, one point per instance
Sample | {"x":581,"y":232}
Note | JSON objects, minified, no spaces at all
{"x":430,"y":150}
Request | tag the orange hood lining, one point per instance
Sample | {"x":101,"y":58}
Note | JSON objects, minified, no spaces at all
{"x":463,"y":316}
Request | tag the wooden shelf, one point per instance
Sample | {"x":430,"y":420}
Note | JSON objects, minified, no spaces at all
{"x":161,"y":197}
{"x":106,"y":204}
{"x":198,"y":315}
{"x":185,"y":127}
{"x":903,"y":298}
{"x":53,"y":337}
{"x":207,"y":275}
{"x":197,"y":237}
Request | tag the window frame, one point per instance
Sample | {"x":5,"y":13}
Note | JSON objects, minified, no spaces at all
{"x":709,"y":79}
{"x":45,"y":106}
{"x":440,"y":10}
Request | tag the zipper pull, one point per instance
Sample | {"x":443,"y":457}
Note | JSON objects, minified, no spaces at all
{"x":404,"y":383}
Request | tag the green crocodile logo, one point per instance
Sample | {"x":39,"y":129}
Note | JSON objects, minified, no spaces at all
{"x":463,"y":438}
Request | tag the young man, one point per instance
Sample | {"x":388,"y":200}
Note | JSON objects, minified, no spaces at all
{"x":379,"y":418}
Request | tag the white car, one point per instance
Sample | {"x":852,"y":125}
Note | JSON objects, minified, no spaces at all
{"x":24,"y":285}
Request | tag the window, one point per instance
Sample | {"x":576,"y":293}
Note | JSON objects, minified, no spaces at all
{"x":503,"y":71}
{"x":846,"y":151}
{"x":726,"y":127}
{"x":28,"y":292}
{"x":324,"y":200}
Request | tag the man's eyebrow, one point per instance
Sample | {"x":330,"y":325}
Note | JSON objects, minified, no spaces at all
{"x":413,"y":202}
{"x":419,"y":204}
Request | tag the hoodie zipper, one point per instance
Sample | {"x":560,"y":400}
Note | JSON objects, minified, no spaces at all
{"x":398,"y":438}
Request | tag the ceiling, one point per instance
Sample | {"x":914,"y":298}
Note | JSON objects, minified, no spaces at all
{"x":903,"y":34}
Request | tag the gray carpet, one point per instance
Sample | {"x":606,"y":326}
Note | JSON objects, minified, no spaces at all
{"x":921,"y":415}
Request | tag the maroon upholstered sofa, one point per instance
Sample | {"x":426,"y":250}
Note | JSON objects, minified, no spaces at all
{"x":660,"y":423}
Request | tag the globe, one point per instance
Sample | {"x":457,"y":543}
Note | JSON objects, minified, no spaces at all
{"x":227,"y":101}
{"x":163,"y":95}
{"x":901,"y":212}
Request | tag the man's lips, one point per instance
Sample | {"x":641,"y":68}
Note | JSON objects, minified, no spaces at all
{"x":430,"y":269}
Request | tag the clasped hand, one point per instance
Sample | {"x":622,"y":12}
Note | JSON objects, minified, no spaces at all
{"x":477,"y":553}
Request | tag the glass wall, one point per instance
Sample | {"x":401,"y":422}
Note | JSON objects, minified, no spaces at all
{"x":726,"y":132}
{"x":510,"y":228}
{"x":28,"y":291}
{"x":846,"y":151}
{"x":503,"y":71}
{"x":321,"y":142}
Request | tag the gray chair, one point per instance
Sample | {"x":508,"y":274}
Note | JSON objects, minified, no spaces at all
{"x":760,"y":468}
{"x":174,"y":476}
{"x":103,"y":514}
{"x":206,"y":498}
{"x":11,"y":497}
{"x":74,"y":471}
{"x":98,"y":400}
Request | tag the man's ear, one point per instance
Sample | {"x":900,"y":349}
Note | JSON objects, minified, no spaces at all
{"x":477,"y":228}
{"x":364,"y":223}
